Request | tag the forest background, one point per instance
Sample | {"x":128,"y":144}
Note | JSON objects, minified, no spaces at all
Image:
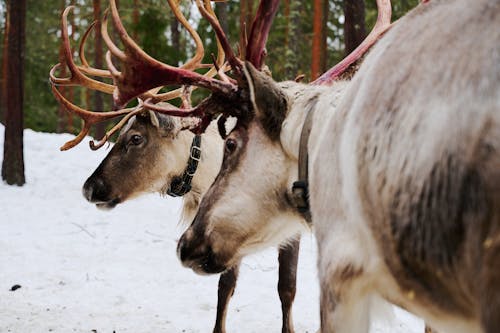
{"x":152,"y":25}
{"x":307,"y":38}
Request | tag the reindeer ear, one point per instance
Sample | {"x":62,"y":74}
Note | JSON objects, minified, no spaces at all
{"x":154,"y":119}
{"x":167,"y":126}
{"x":269,"y":101}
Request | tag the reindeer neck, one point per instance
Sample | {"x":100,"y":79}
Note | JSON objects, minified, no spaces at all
{"x":303,"y":99}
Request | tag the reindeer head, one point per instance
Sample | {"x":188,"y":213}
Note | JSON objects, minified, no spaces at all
{"x":150,"y":151}
{"x":247,"y":208}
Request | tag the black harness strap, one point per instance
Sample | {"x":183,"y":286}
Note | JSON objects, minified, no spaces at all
{"x":300,"y":188}
{"x":181,"y":185}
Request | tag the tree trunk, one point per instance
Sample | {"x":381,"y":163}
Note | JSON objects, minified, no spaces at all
{"x":286,"y":13}
{"x":13,"y":161}
{"x":176,"y":37}
{"x":135,"y":20}
{"x":318,"y":34}
{"x":100,"y":128}
{"x":221,"y":12}
{"x":294,"y":39}
{"x":354,"y":24}
{"x":61,"y":111}
{"x":3,"y":83}
{"x":71,"y":90}
{"x":324,"y":35}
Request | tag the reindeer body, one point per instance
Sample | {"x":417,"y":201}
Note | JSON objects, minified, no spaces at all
{"x":408,"y":178}
{"x":404,"y":173}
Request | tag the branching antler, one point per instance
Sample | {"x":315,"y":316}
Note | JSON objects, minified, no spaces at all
{"x":134,"y":61}
{"x":153,"y":73}
{"x":141,"y":76}
{"x":77,"y":78}
{"x":255,"y":52}
{"x":381,"y":26}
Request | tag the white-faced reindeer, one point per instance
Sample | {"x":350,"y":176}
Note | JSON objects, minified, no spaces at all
{"x":403,"y":172}
{"x":153,"y":154}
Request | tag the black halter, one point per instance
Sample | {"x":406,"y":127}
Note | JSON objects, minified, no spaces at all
{"x":181,"y":185}
{"x":300,"y":188}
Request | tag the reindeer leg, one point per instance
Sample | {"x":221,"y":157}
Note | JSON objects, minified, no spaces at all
{"x":428,"y":329}
{"x":345,"y":313}
{"x":344,"y":304}
{"x":227,"y":283}
{"x":490,"y":293}
{"x":287,"y":283}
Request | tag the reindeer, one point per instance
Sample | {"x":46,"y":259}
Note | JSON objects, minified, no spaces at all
{"x":404,"y":208}
{"x":158,"y":139}
{"x":156,"y":145}
{"x":404,"y":171}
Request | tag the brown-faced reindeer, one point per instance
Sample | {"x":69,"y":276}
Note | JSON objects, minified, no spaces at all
{"x":404,"y":174}
{"x":150,"y":153}
{"x":153,"y":154}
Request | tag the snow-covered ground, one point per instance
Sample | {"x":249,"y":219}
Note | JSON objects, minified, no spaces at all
{"x":81,"y":269}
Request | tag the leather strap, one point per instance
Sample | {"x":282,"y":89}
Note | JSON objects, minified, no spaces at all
{"x":181,"y":185}
{"x":300,"y":188}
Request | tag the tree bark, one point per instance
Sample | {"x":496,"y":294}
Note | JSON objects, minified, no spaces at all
{"x":318,"y":34}
{"x":61,"y":112}
{"x":100,"y":128}
{"x":13,"y":161}
{"x":176,"y":36}
{"x":71,"y":90}
{"x":135,"y":19}
{"x":354,"y":24}
{"x":324,"y":35}
{"x":3,"y":83}
{"x":286,"y":12}
{"x":295,"y":35}
{"x":221,"y":12}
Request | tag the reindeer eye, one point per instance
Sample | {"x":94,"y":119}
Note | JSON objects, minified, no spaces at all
{"x":231,"y":145}
{"x":136,"y":139}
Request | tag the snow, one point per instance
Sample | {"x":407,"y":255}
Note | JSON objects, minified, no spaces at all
{"x":82,"y":269}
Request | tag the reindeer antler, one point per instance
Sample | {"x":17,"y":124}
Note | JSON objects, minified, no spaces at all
{"x":381,"y":26}
{"x":153,"y":73}
{"x":134,"y":61}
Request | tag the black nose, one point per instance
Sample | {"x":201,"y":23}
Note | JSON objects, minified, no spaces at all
{"x":188,"y":249}
{"x":96,"y":190}
{"x":198,"y":255}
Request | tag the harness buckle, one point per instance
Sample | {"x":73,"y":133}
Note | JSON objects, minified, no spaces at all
{"x":300,"y":196}
{"x":195,"y":153}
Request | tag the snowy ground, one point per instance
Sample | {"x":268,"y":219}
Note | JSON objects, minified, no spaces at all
{"x":81,"y":269}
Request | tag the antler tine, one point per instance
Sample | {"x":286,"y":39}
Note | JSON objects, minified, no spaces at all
{"x":235,"y":63}
{"x":200,"y":50}
{"x":255,"y":51}
{"x":141,"y":73}
{"x":211,"y":72}
{"x":381,"y":26}
{"x":76,"y":78}
{"x":132,"y":112}
{"x":89,"y":117}
{"x":86,"y":68}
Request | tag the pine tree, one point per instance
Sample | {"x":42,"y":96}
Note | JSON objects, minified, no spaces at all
{"x":13,"y":161}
